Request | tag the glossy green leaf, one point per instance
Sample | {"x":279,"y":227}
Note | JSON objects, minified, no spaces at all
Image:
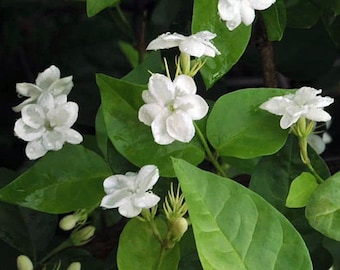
{"x":130,"y":52}
{"x":132,"y":139}
{"x":323,"y":208}
{"x":60,"y":182}
{"x":275,"y":20}
{"x":301,"y":188}
{"x":235,"y":228}
{"x":273,"y":174}
{"x":237,"y":127}
{"x":93,"y":7}
{"x":101,"y":133}
{"x":231,"y":44}
{"x":139,"y":249}
{"x":302,"y":13}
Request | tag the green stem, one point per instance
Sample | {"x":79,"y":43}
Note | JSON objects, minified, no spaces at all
{"x":161,"y":257}
{"x":305,"y":159}
{"x":155,"y":231}
{"x":63,"y":245}
{"x":206,"y":147}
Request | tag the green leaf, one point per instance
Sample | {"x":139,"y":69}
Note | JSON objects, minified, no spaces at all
{"x":139,"y":249}
{"x":300,"y":190}
{"x":101,"y":133}
{"x":273,"y":174}
{"x":302,"y":13}
{"x":275,"y":20}
{"x":132,"y":139}
{"x":130,"y":52}
{"x":235,"y":228}
{"x":323,"y":208}
{"x":237,"y":127}
{"x":60,"y":182}
{"x":231,"y":44}
{"x":93,"y":7}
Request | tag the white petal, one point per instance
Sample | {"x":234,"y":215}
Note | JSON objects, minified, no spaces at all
{"x":47,"y":77}
{"x":53,"y":140}
{"x":321,"y":102}
{"x":33,"y":116}
{"x":287,"y":120}
{"x":276,"y":105}
{"x":261,"y":4}
{"x":180,"y":127}
{"x":115,"y":199}
{"x":161,"y":88}
{"x":46,"y":101}
{"x":193,"y":105}
{"x":61,"y":86}
{"x":192,"y":47}
{"x":326,"y":137}
{"x":35,"y":149}
{"x":234,"y":23}
{"x":19,"y":107}
{"x":148,"y":97}
{"x":59,"y":100}
{"x":148,"y":112}
{"x":247,"y":13}
{"x":27,"y":133}
{"x":159,"y":131}
{"x":145,"y":200}
{"x":204,"y":35}
{"x":147,"y":177}
{"x":63,"y":115}
{"x":317,"y":143}
{"x":72,"y":136}
{"x":228,"y":10}
{"x":129,"y":210}
{"x":305,"y":95}
{"x":165,"y":41}
{"x":184,"y":85}
{"x":118,"y":182}
{"x":28,"y":89}
{"x":318,"y":115}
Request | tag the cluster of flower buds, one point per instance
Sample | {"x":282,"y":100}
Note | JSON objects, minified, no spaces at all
{"x":69,"y":222}
{"x":46,"y":115}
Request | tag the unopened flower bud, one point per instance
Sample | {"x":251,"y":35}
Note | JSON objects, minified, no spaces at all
{"x":82,"y":236}
{"x":68,"y":222}
{"x":24,"y":263}
{"x":74,"y":266}
{"x":178,"y":227}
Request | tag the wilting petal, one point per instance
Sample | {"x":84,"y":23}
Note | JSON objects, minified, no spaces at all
{"x":72,"y":136}
{"x":53,"y":140}
{"x":129,"y":210}
{"x":148,"y":112}
{"x":159,"y":130}
{"x":61,"y":86}
{"x":27,"y":133}
{"x":165,"y":41}
{"x":63,"y":115}
{"x":317,"y":115}
{"x":147,"y":177}
{"x":180,"y":127}
{"x":35,"y":149}
{"x":33,"y":116}
{"x":184,"y":85}
{"x":161,"y":88}
{"x":145,"y":200}
{"x":47,"y":77}
{"x":28,"y":90}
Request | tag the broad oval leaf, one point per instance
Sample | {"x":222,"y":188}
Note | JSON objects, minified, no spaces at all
{"x":231,"y":44}
{"x":237,"y":127}
{"x":323,"y":208}
{"x":235,"y":228}
{"x":60,"y":182}
{"x":139,"y":249}
{"x":133,"y":139}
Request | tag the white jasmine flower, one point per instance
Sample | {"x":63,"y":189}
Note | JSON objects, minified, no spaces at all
{"x":171,"y":107}
{"x":236,"y":11}
{"x":197,"y":45}
{"x":47,"y":81}
{"x":304,"y":103}
{"x":131,"y":192}
{"x":46,"y":125}
{"x":318,"y":143}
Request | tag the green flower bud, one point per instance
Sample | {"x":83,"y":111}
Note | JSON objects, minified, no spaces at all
{"x":177,"y":228}
{"x":74,"y":266}
{"x":68,"y":222}
{"x":82,"y":236}
{"x":24,"y":263}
